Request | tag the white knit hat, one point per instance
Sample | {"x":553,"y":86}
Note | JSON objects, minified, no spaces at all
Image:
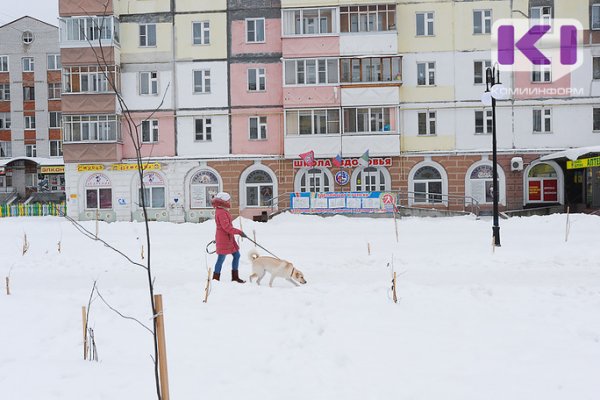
{"x":223,"y":196}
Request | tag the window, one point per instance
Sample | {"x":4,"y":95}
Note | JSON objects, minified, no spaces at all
{"x":374,"y":119}
{"x":479,"y":71}
{"x":30,"y":150}
{"x":425,"y":24}
{"x":596,"y":67}
{"x":154,"y":191}
{"x":371,"y":69}
{"x":28,"y":93}
{"x":596,"y":16}
{"x":426,"y":74}
{"x":147,"y":35}
{"x":542,"y":120}
{"x":314,"y":180}
{"x":28,"y":64}
{"x":256,"y":79}
{"x":203,"y":187}
{"x":150,"y":131}
{"x":312,"y":122}
{"x":201,"y":32}
{"x":203,"y":129}
{"x":427,"y":185}
{"x":542,"y":184}
{"x":259,"y":189}
{"x":54,"y":62}
{"x":482,"y":184}
{"x":3,"y":63}
{"x":29,"y":122}
{"x":54,"y":90}
{"x":5,"y":149}
{"x":98,"y":193}
{"x":596,"y":119}
{"x":27,"y":37}
{"x":311,"y":71}
{"x":85,"y":29}
{"x":309,"y":21}
{"x":370,"y":179}
{"x":5,"y":120}
{"x":255,"y":30}
{"x":149,"y":82}
{"x":426,"y":121}
{"x":483,"y":122}
{"x":89,"y":79}
{"x":5,"y":91}
{"x":373,"y":18}
{"x":202,"y":81}
{"x":541,"y":74}
{"x":56,"y":148}
{"x":482,"y":21}
{"x":540,"y":15}
{"x":258,"y":128}
{"x":91,"y":128}
{"x":55,"y":119}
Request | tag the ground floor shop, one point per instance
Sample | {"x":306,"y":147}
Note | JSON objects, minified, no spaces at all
{"x":32,"y":180}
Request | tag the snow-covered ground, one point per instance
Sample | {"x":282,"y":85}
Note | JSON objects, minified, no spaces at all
{"x":522,"y":322}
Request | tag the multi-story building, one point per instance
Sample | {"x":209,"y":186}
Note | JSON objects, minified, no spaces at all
{"x":225,"y":95}
{"x":31,"y":164}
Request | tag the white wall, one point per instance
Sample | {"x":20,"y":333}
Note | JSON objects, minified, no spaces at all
{"x":188,"y":146}
{"x":369,"y":43}
{"x":130,"y":87}
{"x":218,"y":81}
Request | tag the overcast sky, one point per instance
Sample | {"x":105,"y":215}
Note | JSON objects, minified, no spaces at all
{"x":46,"y":10}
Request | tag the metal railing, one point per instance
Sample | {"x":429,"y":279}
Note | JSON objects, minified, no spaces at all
{"x":33,"y":210}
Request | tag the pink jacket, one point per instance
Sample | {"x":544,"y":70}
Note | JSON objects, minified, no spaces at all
{"x":225,"y":231}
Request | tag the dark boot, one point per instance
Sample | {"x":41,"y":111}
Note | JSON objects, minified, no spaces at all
{"x":235,"y":276}
{"x":216,"y":276}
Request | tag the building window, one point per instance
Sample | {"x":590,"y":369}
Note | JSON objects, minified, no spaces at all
{"x":256,"y":80}
{"x":258,"y":128}
{"x":309,"y":21}
{"x":29,"y":122}
{"x":371,"y":69}
{"x":54,"y":62}
{"x":54,"y":90}
{"x":481,"y":184}
{"x":201,"y":32}
{"x":154,"y":191}
{"x":540,"y":15}
{"x":596,"y":120}
{"x":542,"y":120}
{"x":312,"y":122}
{"x":202,"y":81}
{"x":150,"y":131}
{"x":5,"y":92}
{"x":479,"y":71}
{"x":542,"y":184}
{"x":314,"y":180}
{"x":483,"y":122}
{"x":255,"y":30}
{"x":98,"y":193}
{"x":311,"y":71}
{"x":370,"y":179}
{"x":27,"y":37}
{"x":30,"y":150}
{"x":84,"y":29}
{"x":149,"y":83}
{"x":426,"y":74}
{"x":3,"y":63}
{"x":482,"y":21}
{"x":373,"y":119}
{"x":28,"y":64}
{"x":427,"y":185}
{"x":596,"y":16}
{"x":373,"y":18}
{"x":259,"y":189}
{"x":90,"y":79}
{"x":426,"y":122}
{"x":91,"y":128}
{"x":56,"y":149}
{"x":425,"y":24}
{"x":28,"y":93}
{"x":204,"y":186}
{"x":541,"y":74}
{"x":55,"y":119}
{"x":147,"y":35}
{"x":5,"y":149}
{"x":5,"y":120}
{"x":203,"y":129}
{"x":596,"y":67}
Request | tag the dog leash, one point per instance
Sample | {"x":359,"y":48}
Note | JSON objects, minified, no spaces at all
{"x":262,"y":247}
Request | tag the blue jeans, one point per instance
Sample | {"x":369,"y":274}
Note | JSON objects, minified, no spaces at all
{"x":234,"y":264}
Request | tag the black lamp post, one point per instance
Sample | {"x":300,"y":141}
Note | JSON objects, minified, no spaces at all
{"x":492,"y":78}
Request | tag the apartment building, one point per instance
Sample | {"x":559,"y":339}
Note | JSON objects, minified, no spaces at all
{"x":31,"y":163}
{"x":225,"y":95}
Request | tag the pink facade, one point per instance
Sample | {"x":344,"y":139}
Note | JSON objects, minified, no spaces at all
{"x":164,"y":147}
{"x":240,"y":131}
{"x":305,"y":47}
{"x":241,"y":96}
{"x":311,"y":96}
{"x":272,"y":42}
{"x":526,"y":89}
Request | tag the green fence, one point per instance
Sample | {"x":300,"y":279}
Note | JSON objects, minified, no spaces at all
{"x":33,"y":210}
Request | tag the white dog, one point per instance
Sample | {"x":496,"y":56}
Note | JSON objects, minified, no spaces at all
{"x":276,"y":267}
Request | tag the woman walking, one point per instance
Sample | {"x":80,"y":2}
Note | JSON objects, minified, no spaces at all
{"x":225,"y":236}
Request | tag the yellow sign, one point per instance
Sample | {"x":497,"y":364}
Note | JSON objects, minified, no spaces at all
{"x":134,"y":167}
{"x":584,"y":163}
{"x":58,"y":169}
{"x":73,"y":196}
{"x":90,"y":167}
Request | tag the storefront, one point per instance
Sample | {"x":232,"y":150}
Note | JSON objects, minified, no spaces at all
{"x":33,"y":179}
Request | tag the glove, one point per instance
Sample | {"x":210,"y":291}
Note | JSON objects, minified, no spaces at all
{"x":243,"y":235}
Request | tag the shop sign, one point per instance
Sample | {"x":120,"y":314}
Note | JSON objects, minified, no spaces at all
{"x":342,"y":202}
{"x":551,"y":190}
{"x":134,"y":167}
{"x":342,"y":178}
{"x":346,"y":162}
{"x":89,"y":167}
{"x":535,"y":191}
{"x":584,"y":163}
{"x":57,"y":169}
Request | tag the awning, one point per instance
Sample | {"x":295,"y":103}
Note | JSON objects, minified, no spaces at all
{"x":571,"y":154}
{"x":41,"y":161}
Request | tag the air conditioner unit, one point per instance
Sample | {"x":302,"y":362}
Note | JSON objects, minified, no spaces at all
{"x":516,"y":164}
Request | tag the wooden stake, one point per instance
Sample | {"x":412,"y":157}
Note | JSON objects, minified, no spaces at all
{"x":567,"y":228}
{"x":142,"y":252}
{"x":97,"y":217}
{"x":59,"y":246}
{"x":254,"y":235}
{"x":395,"y":296}
{"x":7,"y":286}
{"x":396,"y":225}
{"x":84,"y":320}
{"x":207,"y":288}
{"x":162,"y":348}
{"x":369,"y":248}
{"x":493,"y":244}
{"x":25,"y":244}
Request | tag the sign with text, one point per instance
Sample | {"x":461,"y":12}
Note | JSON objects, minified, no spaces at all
{"x":346,"y":162}
{"x":57,"y":169}
{"x":342,"y":202}
{"x":89,"y":167}
{"x":134,"y":167}
{"x":584,"y":163}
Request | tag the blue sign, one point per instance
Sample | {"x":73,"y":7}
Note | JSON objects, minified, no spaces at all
{"x":343,"y":202}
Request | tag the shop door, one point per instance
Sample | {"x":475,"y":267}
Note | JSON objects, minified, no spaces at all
{"x":596,"y":187}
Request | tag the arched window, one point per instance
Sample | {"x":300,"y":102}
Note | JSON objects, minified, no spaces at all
{"x":482,"y":184}
{"x":542,"y":185}
{"x":259,"y":189}
{"x":98,"y":192}
{"x":313,"y":180}
{"x":204,"y":186}
{"x":154,"y":190}
{"x":371,"y":179}
{"x":427,"y":185}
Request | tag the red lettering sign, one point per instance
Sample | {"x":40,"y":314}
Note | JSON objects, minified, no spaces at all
{"x":551,"y":190}
{"x":535,"y":191}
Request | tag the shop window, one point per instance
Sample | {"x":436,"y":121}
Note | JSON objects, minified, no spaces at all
{"x":313,"y":180}
{"x":259,"y":189}
{"x":542,"y":184}
{"x":427,"y":185}
{"x":371,"y":179}
{"x":154,"y":191}
{"x":98,"y":193}
{"x":203,"y":187}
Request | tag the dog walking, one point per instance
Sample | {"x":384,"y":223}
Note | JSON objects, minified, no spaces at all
{"x":225,"y":237}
